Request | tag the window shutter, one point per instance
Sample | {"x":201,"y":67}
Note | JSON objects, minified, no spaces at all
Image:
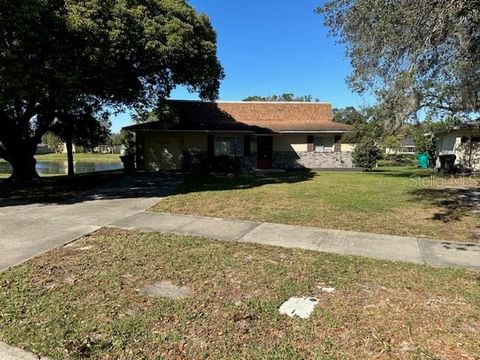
{"x":310,"y":143}
{"x":210,"y":145}
{"x":246,"y":145}
{"x":337,"y":146}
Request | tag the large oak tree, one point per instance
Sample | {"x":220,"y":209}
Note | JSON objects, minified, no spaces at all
{"x":57,"y":55}
{"x":414,"y":55}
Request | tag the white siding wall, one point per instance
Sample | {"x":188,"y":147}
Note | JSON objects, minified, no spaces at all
{"x":451,"y":144}
{"x":290,"y":142}
{"x":448,"y":143}
{"x":163,"y":152}
{"x":347,"y":147}
{"x":298,"y":143}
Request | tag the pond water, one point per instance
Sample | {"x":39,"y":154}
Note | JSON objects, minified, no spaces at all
{"x":61,"y":167}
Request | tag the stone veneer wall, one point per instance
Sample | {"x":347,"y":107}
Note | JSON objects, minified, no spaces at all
{"x":311,"y":160}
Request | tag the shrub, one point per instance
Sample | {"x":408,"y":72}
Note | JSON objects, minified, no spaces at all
{"x":227,"y":164}
{"x":366,"y":155}
{"x":398,"y":160}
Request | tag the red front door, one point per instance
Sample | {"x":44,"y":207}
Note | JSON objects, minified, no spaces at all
{"x":264,"y":152}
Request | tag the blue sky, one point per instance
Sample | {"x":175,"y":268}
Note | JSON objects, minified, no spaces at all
{"x":271,"y":47}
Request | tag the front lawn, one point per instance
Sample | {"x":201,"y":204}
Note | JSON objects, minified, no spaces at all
{"x":86,"y":301}
{"x":398,"y":201}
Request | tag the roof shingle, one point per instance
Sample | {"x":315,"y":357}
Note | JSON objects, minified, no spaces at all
{"x":257,"y":117}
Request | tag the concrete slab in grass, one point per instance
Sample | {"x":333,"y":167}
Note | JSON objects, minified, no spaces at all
{"x":301,"y":307}
{"x":218,"y":228}
{"x":150,"y":221}
{"x":166,"y":289}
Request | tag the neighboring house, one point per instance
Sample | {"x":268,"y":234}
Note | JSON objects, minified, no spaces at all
{"x":263,"y":135}
{"x":44,"y":149}
{"x":407,"y":147}
{"x":461,"y":144}
{"x":109,"y":149}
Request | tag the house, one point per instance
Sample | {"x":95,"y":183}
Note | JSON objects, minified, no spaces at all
{"x":109,"y":149}
{"x":263,"y":135}
{"x":406,"y":147}
{"x":459,"y":147}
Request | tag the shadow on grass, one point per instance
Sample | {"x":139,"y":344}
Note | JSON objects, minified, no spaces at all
{"x":455,"y":203}
{"x":201,"y":182}
{"x":116,"y":185}
{"x":405,"y":172}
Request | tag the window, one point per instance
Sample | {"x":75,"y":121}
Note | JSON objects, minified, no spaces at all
{"x":324,"y":143}
{"x":229,"y":146}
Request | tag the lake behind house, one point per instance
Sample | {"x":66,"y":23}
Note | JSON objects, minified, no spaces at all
{"x":52,"y":164}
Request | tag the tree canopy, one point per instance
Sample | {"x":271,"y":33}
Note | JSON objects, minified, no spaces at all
{"x":53,"y":141}
{"x":282,"y":97}
{"x":348,"y":115}
{"x":60,"y":55}
{"x":413,"y":55}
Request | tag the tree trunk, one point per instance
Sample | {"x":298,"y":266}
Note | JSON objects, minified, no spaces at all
{"x":23,"y":164}
{"x":20,"y":144}
{"x":69,"y":146}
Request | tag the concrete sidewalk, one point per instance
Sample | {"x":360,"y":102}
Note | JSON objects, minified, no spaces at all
{"x":384,"y":247}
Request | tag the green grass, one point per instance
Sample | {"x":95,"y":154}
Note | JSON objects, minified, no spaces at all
{"x":75,"y":303}
{"x":77,"y":157}
{"x":80,"y":157}
{"x":399,"y":201}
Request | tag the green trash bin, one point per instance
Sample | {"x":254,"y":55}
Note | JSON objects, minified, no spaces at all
{"x":422,"y":160}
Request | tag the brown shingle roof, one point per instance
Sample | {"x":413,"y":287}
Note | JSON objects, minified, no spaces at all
{"x":285,"y":112}
{"x":257,"y":117}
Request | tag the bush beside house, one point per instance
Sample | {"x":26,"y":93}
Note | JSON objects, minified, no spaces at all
{"x":366,"y":155}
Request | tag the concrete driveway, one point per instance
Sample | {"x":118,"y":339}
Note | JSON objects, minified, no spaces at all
{"x":27,"y":230}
